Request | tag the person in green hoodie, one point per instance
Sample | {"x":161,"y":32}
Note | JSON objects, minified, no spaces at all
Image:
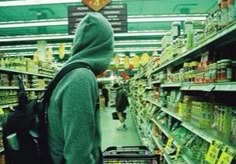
{"x":74,"y":134}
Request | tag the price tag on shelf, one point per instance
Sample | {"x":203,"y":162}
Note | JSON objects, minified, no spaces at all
{"x":208,"y":88}
{"x":1,"y":111}
{"x":213,"y":152}
{"x":178,"y":151}
{"x":226,"y":156}
{"x":169,"y":144}
{"x":11,"y":107}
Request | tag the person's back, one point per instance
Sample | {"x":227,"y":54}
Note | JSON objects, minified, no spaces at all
{"x":121,"y":105}
{"x":73,"y":115}
{"x":121,"y":99}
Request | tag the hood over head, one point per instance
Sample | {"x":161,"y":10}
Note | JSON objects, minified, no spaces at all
{"x":93,"y":43}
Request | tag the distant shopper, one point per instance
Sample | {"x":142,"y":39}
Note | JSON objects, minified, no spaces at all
{"x":73,"y":115}
{"x":121,"y":105}
{"x":105,"y":95}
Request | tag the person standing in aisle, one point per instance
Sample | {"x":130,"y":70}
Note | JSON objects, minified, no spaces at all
{"x":105,"y":95}
{"x":74,"y":134}
{"x":121,"y":105}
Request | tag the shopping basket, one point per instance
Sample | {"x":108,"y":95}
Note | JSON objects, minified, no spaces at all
{"x":129,"y":155}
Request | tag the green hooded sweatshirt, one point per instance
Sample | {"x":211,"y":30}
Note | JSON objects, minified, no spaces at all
{"x":73,"y":117}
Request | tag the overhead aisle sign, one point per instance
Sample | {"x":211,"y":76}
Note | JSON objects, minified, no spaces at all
{"x":115,"y":14}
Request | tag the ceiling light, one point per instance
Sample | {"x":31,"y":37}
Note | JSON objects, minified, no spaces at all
{"x":36,"y":38}
{"x":70,"y":37}
{"x":38,"y":2}
{"x":120,"y":51}
{"x":137,"y":42}
{"x":130,"y":19}
{"x":21,"y":24}
{"x":137,"y":49}
{"x":166,"y":18}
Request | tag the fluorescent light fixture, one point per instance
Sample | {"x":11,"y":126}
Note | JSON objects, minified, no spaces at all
{"x":166,"y":18}
{"x":143,"y":49}
{"x":70,"y":37}
{"x":34,"y":2}
{"x":68,"y":45}
{"x":30,"y":47}
{"x":138,"y":42}
{"x":21,"y":24}
{"x":151,"y":33}
{"x":130,"y":19}
{"x":119,"y":51}
{"x":36,"y":38}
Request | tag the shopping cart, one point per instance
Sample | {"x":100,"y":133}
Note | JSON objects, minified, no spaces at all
{"x":129,"y":155}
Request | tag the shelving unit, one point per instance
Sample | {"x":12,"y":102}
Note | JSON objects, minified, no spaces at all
{"x":224,"y":34}
{"x":171,"y":85}
{"x":228,"y":86}
{"x":27,"y":89}
{"x":156,"y":82}
{"x":220,"y":39}
{"x":22,"y":72}
{"x":201,"y":133}
{"x":160,"y":146}
{"x":8,"y":105}
{"x":8,"y":88}
{"x":176,"y":142}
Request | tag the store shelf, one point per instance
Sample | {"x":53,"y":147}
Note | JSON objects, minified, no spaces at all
{"x":140,"y":116}
{"x":171,"y":85}
{"x":187,"y":159}
{"x":46,"y":70}
{"x":152,"y":101}
{"x":1,"y":150}
{"x":27,"y":89}
{"x":158,"y":142}
{"x":231,"y":86}
{"x":8,"y":88}
{"x":201,"y":133}
{"x":227,"y":87}
{"x":168,"y":160}
{"x":35,"y":89}
{"x":159,"y":145}
{"x":222,"y":37}
{"x":148,"y":88}
{"x":176,"y":141}
{"x":164,"y":109}
{"x":23,"y":72}
{"x":8,"y":105}
{"x":139,"y":76}
{"x":136,"y":125}
{"x":156,"y":82}
{"x":164,"y":130}
{"x":204,"y":135}
{"x":175,"y":115}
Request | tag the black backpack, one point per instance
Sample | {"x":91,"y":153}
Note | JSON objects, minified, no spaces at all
{"x":25,"y":129}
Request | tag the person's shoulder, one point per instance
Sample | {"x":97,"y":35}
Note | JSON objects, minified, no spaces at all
{"x":78,"y":72}
{"x":83,"y":74}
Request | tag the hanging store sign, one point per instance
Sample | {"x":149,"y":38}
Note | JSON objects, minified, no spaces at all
{"x":115,"y":14}
{"x":96,"y":5}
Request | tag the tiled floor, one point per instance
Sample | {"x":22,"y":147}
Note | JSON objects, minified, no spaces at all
{"x":112,"y":137}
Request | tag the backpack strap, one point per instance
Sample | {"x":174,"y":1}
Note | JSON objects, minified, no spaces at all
{"x":52,"y":85}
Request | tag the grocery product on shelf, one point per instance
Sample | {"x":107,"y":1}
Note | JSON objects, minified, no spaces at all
{"x":196,"y":92}
{"x":8,"y":97}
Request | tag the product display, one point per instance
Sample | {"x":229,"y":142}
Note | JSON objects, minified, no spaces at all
{"x":187,"y":92}
{"x":176,"y":57}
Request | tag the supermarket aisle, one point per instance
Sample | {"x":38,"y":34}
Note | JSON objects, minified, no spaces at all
{"x":112,"y":137}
